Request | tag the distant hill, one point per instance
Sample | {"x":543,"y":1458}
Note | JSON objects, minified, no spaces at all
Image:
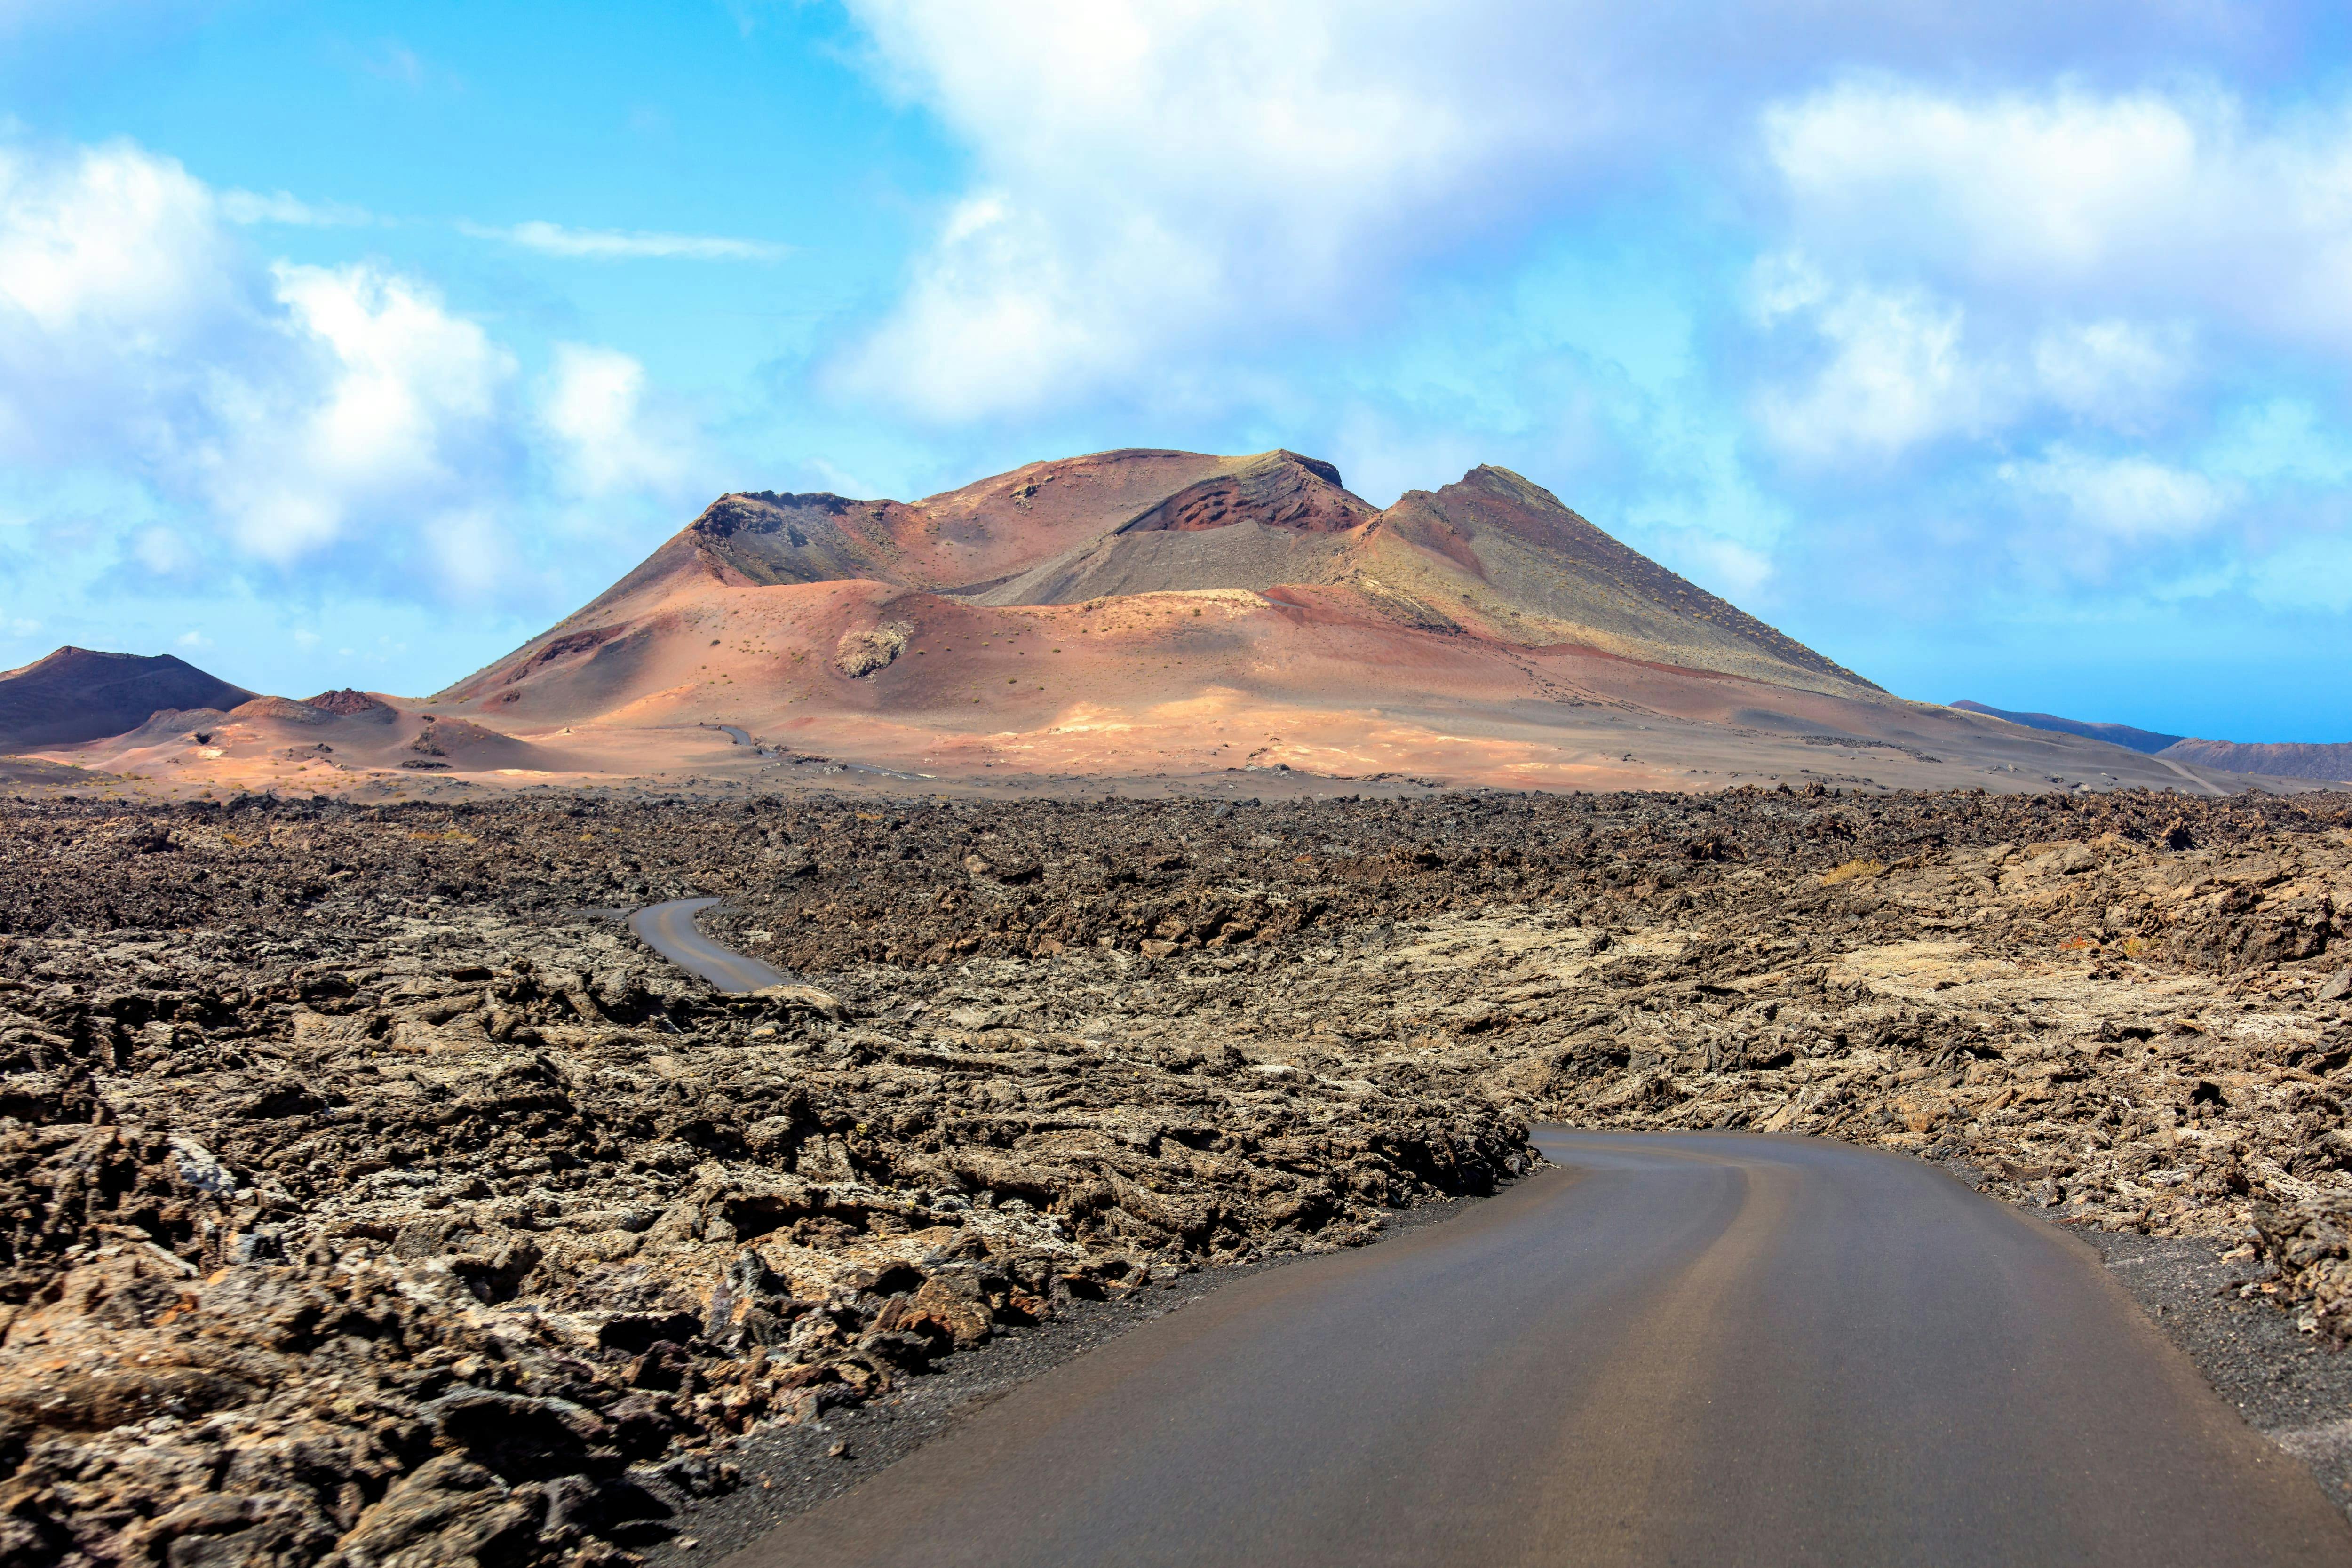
{"x":2147,"y":741}
{"x":2291,"y":760}
{"x":2285,"y":758}
{"x":79,"y":694}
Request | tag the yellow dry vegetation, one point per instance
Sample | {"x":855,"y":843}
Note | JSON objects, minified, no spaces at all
{"x":1851,"y":870}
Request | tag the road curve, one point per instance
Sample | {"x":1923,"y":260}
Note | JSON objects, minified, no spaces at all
{"x":1678,"y":1349}
{"x":669,"y":930}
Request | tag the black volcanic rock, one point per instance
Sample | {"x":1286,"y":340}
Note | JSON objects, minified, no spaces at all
{"x":80,"y":694}
{"x":2147,"y":741}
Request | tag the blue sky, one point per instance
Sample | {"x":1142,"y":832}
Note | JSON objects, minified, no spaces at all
{"x":1997,"y":351}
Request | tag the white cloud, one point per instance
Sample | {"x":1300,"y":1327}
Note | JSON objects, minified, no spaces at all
{"x":1169,"y":173}
{"x":104,"y":250}
{"x":391,"y":418}
{"x":2126,"y":499}
{"x":612,"y":245}
{"x":192,"y":640}
{"x":282,"y":207}
{"x":2151,"y":201}
{"x":2111,"y":371}
{"x":1895,"y":373}
{"x":1898,"y":367}
{"x":595,"y":410}
{"x":1161,"y":188}
{"x":294,"y":409}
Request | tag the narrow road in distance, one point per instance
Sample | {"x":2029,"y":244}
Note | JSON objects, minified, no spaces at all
{"x":669,"y":930}
{"x":1701,"y":1349}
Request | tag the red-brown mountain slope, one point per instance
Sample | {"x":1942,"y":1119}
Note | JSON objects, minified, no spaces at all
{"x":1491,"y":556}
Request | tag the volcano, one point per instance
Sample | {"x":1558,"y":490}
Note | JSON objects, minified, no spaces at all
{"x":79,"y":694}
{"x":1166,"y":614}
{"x":1492,"y":556}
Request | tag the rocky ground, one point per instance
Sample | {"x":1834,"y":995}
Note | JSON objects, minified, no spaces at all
{"x":370,"y":1198}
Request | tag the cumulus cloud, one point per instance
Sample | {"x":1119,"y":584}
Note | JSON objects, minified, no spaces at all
{"x":1889,"y":367}
{"x":606,"y":435}
{"x":611,"y":244}
{"x":336,"y":416}
{"x":2173,"y":200}
{"x":1163,"y":187}
{"x":1157,"y":174}
{"x":388,"y":406}
{"x":1895,"y":373}
{"x":2114,"y":371}
{"x":2131,"y":498}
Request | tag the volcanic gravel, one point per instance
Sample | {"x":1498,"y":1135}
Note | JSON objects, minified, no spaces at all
{"x":368,"y":1197}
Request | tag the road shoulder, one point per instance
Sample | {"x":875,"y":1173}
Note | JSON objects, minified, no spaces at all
{"x":2290,"y":1386}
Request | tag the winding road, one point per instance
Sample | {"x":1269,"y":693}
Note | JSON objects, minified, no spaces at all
{"x":1703,"y":1349}
{"x":669,"y":930}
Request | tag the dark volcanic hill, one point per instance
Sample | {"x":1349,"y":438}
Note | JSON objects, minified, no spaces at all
{"x":2284,"y":759}
{"x":2147,"y":741}
{"x":2292,"y":759}
{"x":80,"y":694}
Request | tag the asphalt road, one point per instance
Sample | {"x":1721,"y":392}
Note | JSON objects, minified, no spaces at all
{"x":1711,"y":1349}
{"x":669,"y":930}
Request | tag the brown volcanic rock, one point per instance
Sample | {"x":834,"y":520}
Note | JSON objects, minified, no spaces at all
{"x":1154,"y":596}
{"x":1281,"y":490}
{"x":387,"y":1247}
{"x":79,"y":694}
{"x":358,"y":1198}
{"x":1267,"y":520}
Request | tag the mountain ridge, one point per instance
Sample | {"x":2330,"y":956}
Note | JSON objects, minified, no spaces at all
{"x":2149,"y":742}
{"x":1146,"y":615}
